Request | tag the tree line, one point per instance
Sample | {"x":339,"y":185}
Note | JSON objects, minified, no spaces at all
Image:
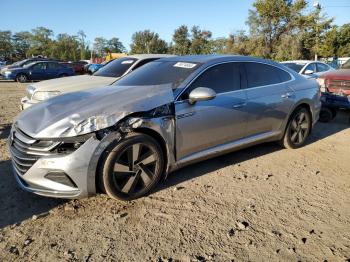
{"x":278,"y":29}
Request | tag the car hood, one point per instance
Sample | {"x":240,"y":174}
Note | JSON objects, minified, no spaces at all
{"x":341,"y":74}
{"x":73,"y":83}
{"x":73,"y":114}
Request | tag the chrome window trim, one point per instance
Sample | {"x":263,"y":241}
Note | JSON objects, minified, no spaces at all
{"x":177,"y":101}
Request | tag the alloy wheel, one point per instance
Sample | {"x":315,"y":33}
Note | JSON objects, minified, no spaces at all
{"x":300,"y":127}
{"x":135,"y":168}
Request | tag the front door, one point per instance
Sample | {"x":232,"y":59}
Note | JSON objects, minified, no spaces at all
{"x":207,"y":124}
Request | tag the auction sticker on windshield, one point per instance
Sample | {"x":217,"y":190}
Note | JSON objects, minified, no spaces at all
{"x":128,"y":62}
{"x":184,"y":65}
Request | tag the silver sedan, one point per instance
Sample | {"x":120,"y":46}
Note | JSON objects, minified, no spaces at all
{"x":171,"y":112}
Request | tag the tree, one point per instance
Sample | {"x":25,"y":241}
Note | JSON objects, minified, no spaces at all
{"x":200,"y":41}
{"x":115,"y":46}
{"x":21,"y":42}
{"x":100,"y":45}
{"x":6,"y":47}
{"x":271,"y":19}
{"x":41,"y":41}
{"x":147,"y":42}
{"x":181,"y":41}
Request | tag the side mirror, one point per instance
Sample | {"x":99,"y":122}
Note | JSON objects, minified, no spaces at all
{"x":201,"y":94}
{"x":308,"y":72}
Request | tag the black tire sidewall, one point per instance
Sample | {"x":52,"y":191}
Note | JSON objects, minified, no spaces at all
{"x":108,"y":162}
{"x":287,"y":138}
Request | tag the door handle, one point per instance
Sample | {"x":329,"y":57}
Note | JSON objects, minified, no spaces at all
{"x":286,"y":95}
{"x":239,"y":105}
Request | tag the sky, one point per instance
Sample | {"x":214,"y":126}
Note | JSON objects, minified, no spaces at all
{"x":120,"y":18}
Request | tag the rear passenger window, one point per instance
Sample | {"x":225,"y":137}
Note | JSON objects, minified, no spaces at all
{"x":262,"y":75}
{"x":221,"y":78}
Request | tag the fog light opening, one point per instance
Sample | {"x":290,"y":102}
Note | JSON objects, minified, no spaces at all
{"x":60,"y":177}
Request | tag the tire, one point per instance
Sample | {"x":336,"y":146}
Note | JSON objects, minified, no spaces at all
{"x":326,"y":115}
{"x":124,"y":178}
{"x":63,"y":75}
{"x":21,"y":78}
{"x":298,"y":129}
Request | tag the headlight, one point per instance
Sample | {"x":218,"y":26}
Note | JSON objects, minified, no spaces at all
{"x":30,"y":91}
{"x":7,"y":72}
{"x":43,"y":95}
{"x":322,"y":83}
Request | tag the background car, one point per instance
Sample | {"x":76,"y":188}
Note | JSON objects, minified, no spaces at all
{"x":309,"y":69}
{"x":335,"y":87}
{"x":25,"y":62}
{"x":77,"y":66}
{"x":346,"y":65}
{"x":92,"y":68}
{"x":41,"y":70}
{"x":121,"y":139}
{"x":105,"y":76}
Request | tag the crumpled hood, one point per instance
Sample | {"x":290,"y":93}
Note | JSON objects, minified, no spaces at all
{"x":73,"y":83}
{"x":64,"y":116}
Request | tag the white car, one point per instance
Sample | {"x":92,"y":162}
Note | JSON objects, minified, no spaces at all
{"x":106,"y":75}
{"x":308,"y":68}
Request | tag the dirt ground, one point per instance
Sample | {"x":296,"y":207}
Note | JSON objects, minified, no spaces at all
{"x":260,"y":204}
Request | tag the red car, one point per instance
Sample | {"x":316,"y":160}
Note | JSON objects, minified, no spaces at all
{"x":335,"y":88}
{"x":77,"y":66}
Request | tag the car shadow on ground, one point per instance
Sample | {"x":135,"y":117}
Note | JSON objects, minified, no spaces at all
{"x":320,"y":131}
{"x":17,"y":205}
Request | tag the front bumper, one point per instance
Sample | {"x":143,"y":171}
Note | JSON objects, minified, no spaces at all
{"x":76,"y":165}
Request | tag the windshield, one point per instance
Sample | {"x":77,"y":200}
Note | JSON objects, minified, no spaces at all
{"x":116,"y":68}
{"x":294,"y":66}
{"x":26,"y":65}
{"x":159,"y":73}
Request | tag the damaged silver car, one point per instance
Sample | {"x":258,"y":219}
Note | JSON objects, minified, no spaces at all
{"x":170,"y":113}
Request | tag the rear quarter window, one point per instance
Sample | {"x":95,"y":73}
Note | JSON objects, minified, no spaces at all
{"x":259,"y":74}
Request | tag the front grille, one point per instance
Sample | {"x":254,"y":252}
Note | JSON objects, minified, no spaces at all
{"x":25,"y":150}
{"x":342,"y":84}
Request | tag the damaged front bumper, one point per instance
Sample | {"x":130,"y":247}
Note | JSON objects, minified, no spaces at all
{"x":63,"y":175}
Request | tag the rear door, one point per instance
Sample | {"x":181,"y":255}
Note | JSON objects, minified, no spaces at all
{"x":269,"y":98}
{"x":53,"y":70}
{"x":207,"y":124}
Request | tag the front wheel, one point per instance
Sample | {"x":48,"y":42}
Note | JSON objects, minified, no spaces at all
{"x":298,"y":129}
{"x":132,"y":167}
{"x":21,"y":78}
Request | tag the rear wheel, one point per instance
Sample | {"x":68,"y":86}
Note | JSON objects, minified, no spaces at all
{"x":298,"y":129}
{"x":62,"y":75}
{"x":132,"y":167}
{"x":326,"y":115}
{"x":21,"y":78}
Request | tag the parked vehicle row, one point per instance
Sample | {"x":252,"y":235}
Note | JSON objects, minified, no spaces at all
{"x":38,"y":92}
{"x":121,"y":139}
{"x":309,"y":69}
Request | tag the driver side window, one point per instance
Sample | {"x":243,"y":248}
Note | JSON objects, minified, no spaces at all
{"x":221,"y":78}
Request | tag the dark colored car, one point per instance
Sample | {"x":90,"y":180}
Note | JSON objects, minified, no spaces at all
{"x":335,"y":87}
{"x":77,"y":66}
{"x":41,"y":70}
{"x":26,"y":62}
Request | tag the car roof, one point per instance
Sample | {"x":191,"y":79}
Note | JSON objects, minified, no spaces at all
{"x":300,"y":61}
{"x":216,"y":59}
{"x":146,"y":56}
